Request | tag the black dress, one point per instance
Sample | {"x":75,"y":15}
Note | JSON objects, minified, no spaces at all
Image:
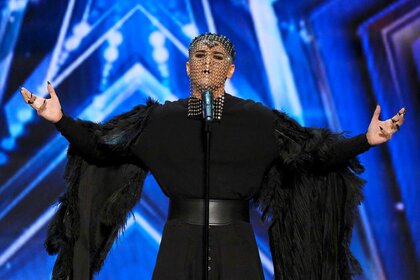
{"x":243,"y":149}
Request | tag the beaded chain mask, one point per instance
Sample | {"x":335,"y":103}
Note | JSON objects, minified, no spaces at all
{"x":210,"y":56}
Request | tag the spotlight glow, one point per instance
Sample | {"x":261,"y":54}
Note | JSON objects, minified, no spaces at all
{"x":115,"y":38}
{"x":16,"y":129}
{"x":157,"y":39}
{"x":81,"y":30}
{"x":8,"y":143}
{"x":72,"y":43}
{"x":111,"y":54}
{"x":16,"y":5}
{"x":399,"y":206}
{"x":3,"y":158}
{"x":25,"y":115}
{"x":161,"y":55}
{"x":190,"y":30}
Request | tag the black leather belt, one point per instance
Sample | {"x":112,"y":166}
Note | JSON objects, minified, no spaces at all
{"x":221,"y":211}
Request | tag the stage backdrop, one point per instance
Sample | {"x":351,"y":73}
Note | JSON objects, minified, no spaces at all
{"x":327,"y":63}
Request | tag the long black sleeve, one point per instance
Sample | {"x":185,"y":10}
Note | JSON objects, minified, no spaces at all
{"x":315,"y":148}
{"x":344,"y":150}
{"x":81,"y":137}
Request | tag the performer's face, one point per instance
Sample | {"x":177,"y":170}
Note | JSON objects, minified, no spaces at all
{"x":209,"y":66}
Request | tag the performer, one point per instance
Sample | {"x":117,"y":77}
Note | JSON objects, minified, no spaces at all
{"x":304,"y":181}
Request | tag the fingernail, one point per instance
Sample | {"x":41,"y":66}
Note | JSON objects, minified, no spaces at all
{"x":48,"y":82}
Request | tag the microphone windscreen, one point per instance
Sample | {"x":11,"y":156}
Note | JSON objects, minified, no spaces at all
{"x":207,"y":98}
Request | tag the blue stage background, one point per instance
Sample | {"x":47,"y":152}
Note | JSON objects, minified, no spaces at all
{"x":327,"y":63}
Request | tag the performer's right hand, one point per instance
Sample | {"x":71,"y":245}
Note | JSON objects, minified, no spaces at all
{"x":49,"y":109}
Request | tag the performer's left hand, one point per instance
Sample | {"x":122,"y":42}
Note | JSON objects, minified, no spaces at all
{"x":381,"y":131}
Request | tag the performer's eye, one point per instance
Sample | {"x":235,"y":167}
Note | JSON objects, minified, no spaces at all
{"x":200,"y":55}
{"x":218,"y":57}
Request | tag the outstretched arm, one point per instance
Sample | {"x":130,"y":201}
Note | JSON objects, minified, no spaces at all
{"x":80,"y":136}
{"x":322,"y":149}
{"x":378,"y":132}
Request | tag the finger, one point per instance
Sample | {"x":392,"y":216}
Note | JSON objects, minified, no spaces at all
{"x":376,"y":113}
{"x":51,"y":90}
{"x":398,"y":119}
{"x":385,"y":132}
{"x":394,"y":127}
{"x":389,"y":125}
{"x":402,"y":111}
{"x":28,"y":96}
{"x":392,"y":123}
{"x":43,"y":106}
{"x":398,"y":116}
{"x":25,"y":93}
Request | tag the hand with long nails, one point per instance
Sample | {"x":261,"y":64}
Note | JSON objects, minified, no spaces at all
{"x":381,"y":131}
{"x":49,"y":109}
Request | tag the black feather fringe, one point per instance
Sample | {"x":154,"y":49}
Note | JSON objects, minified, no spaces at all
{"x":311,"y":214}
{"x":114,"y":137}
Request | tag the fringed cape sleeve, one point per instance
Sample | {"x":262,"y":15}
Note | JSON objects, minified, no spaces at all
{"x":104,"y":182}
{"x":310,"y":198}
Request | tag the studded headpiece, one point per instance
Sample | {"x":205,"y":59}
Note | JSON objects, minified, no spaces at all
{"x":211,"y":39}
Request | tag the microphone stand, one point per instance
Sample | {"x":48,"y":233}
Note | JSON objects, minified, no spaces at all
{"x":206,"y":202}
{"x":207,"y":99}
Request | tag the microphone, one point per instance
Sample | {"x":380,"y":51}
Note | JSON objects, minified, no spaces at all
{"x":208,"y":111}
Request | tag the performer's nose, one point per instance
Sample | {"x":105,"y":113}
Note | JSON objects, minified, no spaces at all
{"x":208,"y":60}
